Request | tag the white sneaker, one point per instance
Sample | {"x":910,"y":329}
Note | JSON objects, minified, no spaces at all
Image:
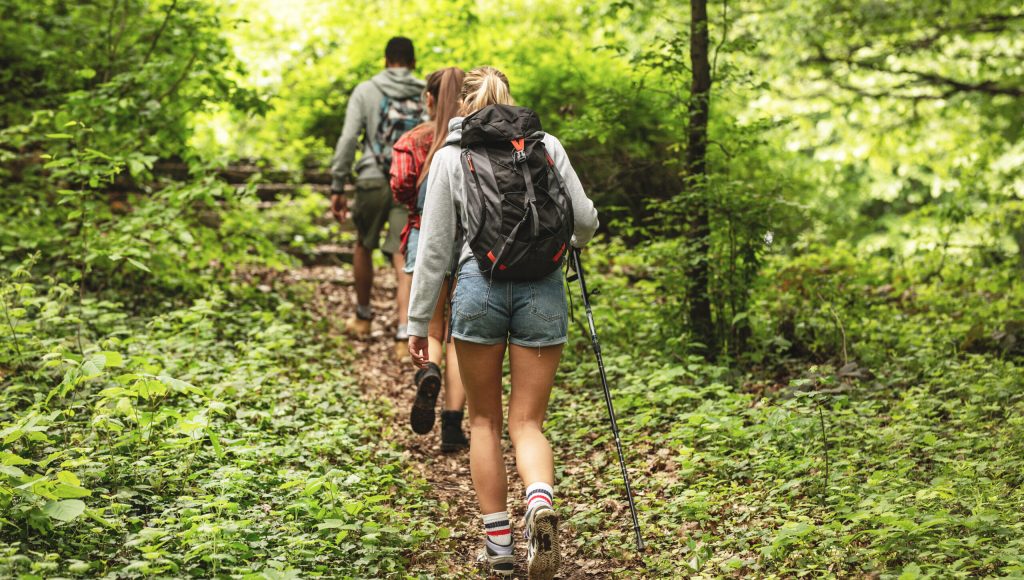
{"x":500,"y":564}
{"x":543,"y":556}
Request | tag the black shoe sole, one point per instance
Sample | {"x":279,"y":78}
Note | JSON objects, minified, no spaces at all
{"x":423,"y":415}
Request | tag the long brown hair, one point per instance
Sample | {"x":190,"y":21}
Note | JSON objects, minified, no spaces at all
{"x":484,"y":86}
{"x":445,"y":85}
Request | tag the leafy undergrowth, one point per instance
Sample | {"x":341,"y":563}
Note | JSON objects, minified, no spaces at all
{"x":909,"y":467}
{"x":873,"y":426}
{"x":219,"y":437}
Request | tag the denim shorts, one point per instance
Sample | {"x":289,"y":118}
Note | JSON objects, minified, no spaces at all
{"x":530,"y":314}
{"x":413,"y":244}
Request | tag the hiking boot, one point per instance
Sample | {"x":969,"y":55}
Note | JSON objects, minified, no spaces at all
{"x":428,"y":385}
{"x":500,"y":564}
{"x":401,"y":343}
{"x":357,"y":327}
{"x":401,"y":349}
{"x":542,"y":555}
{"x":452,"y":437}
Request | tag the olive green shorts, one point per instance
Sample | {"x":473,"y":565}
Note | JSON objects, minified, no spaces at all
{"x":372,"y":208}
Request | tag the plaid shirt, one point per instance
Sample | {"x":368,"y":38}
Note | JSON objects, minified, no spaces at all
{"x":407,"y":163}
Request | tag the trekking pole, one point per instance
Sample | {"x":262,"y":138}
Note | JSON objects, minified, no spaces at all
{"x":607,"y":392}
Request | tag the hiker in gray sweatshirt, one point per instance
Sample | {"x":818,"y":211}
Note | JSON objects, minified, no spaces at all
{"x":528,"y":318}
{"x":374,"y":206}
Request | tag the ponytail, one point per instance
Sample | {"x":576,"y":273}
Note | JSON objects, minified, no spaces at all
{"x":445,"y":86}
{"x":484,"y":86}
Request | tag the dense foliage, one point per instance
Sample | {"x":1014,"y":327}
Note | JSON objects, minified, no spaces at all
{"x":166,"y":410}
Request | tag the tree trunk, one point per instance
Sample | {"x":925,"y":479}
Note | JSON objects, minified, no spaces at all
{"x":696,"y":165}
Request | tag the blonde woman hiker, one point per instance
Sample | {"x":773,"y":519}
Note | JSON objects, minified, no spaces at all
{"x":510,"y":189}
{"x":409,"y":169}
{"x":379,"y":111}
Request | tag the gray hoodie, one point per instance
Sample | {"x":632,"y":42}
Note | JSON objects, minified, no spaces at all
{"x":363,"y":114}
{"x":446,"y":203}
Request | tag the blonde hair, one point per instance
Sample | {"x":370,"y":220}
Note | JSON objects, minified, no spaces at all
{"x":484,"y":86}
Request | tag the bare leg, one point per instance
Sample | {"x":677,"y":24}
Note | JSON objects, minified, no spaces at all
{"x":454,"y":391}
{"x":533,"y":372}
{"x":481,"y":369}
{"x":362,"y":269}
{"x":404,"y":287}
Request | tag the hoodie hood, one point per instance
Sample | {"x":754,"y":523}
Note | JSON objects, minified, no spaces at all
{"x":454,"y":131}
{"x":398,"y":83}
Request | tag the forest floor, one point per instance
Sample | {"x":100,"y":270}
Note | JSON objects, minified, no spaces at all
{"x":239,"y":434}
{"x":384,"y":378}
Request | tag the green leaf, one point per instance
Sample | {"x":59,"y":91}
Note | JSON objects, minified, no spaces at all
{"x":65,"y":491}
{"x":113,"y":359}
{"x":178,"y":384}
{"x":149,"y":389}
{"x":215,"y":441}
{"x":96,"y":516}
{"x":7,"y":458}
{"x":99,"y":154}
{"x":12,"y":434}
{"x":138,"y":264}
{"x":90,"y":370}
{"x":64,"y":510}
{"x":331,"y":525}
{"x":11,"y":471}
{"x":910,"y":572}
{"x":68,"y":478}
{"x":59,"y":136}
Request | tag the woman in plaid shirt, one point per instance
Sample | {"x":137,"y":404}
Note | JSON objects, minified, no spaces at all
{"x":410,"y":164}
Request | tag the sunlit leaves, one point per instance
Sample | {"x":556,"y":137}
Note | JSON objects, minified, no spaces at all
{"x":64,"y":510}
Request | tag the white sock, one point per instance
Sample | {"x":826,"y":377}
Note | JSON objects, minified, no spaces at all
{"x":539,"y":494}
{"x":364,"y":312}
{"x":499,"y":534}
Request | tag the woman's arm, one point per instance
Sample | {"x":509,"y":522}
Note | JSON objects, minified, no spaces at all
{"x":582,"y":208}
{"x":434,"y":253}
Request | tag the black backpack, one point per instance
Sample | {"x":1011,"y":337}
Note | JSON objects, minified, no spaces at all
{"x":519,"y":212}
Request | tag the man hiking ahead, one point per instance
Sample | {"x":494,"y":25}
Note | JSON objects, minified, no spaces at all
{"x":379,"y":111}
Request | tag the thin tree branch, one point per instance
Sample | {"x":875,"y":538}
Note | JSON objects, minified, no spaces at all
{"x":177,"y":82}
{"x":920,"y":78}
{"x":159,"y":33}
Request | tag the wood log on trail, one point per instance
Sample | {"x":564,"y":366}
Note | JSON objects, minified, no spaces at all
{"x":243,"y":172}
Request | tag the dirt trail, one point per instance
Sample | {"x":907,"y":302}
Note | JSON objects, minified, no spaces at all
{"x":382,"y":376}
